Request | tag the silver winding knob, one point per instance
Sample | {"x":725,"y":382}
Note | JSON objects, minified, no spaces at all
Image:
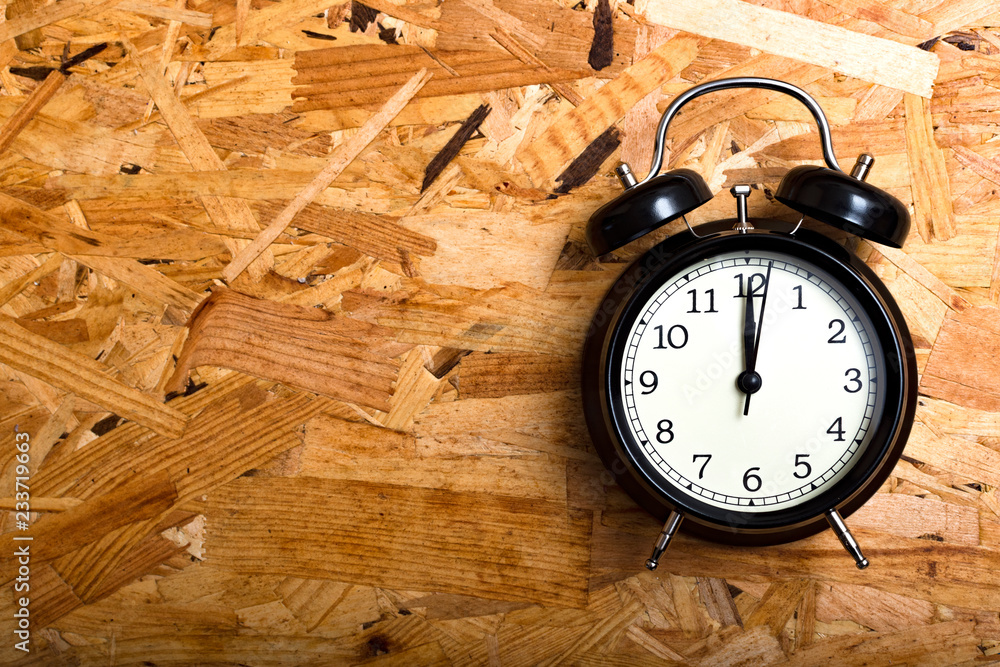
{"x":741,"y":192}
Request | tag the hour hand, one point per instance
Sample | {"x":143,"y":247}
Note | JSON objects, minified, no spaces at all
{"x":748,"y":381}
{"x":749,"y":332}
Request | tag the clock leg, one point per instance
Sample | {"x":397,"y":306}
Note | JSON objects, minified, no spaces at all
{"x":663,"y":541}
{"x":843,"y":533}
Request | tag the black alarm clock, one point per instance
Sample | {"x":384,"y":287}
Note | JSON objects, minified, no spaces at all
{"x":747,"y":376}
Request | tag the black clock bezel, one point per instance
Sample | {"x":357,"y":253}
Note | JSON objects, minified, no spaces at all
{"x":604,"y":409}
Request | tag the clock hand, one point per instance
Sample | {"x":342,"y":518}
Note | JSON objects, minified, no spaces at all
{"x":752,"y":374}
{"x":749,"y":328}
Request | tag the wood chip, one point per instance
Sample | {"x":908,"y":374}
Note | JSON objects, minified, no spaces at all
{"x":508,"y":41}
{"x":639,"y":124}
{"x":962,"y":365}
{"x":777,"y":605}
{"x":342,"y":157}
{"x":382,"y":237}
{"x":990,"y":170}
{"x":718,"y":601}
{"x":327,"y":355}
{"x":781,"y":33}
{"x":335,"y":449}
{"x":179,"y":15}
{"x":912,"y":516}
{"x":547,"y":567}
{"x":242,"y":11}
{"x":589,"y":162}
{"x":877,"y":103}
{"x":38,"y":98}
{"x":468,"y":127}
{"x":500,"y":320}
{"x":495,"y":375}
{"x":932,"y":204}
{"x":39,"y":357}
{"x":886,"y":16}
{"x":570,"y":134}
{"x":602,"y":49}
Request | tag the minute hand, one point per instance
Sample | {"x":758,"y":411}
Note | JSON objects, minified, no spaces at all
{"x":749,"y":335}
{"x":752,"y":361}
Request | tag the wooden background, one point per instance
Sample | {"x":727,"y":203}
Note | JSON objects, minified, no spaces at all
{"x":294,"y":329}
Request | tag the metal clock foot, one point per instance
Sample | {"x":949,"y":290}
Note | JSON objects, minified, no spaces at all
{"x":841,"y":530}
{"x":663,"y":541}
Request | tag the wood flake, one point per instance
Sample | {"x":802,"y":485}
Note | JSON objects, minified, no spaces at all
{"x":80,"y":375}
{"x":571,"y":133}
{"x":327,"y":356}
{"x":868,"y":58}
{"x":931,"y":189}
{"x":343,"y":156}
{"x":539,"y":565}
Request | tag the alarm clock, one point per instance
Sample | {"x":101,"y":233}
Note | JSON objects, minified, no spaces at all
{"x":748,"y":377}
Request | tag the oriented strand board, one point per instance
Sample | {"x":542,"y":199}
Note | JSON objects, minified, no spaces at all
{"x":370,"y":448}
{"x":328,"y":355}
{"x":420,"y":537}
{"x":569,"y":134}
{"x":871,"y":59}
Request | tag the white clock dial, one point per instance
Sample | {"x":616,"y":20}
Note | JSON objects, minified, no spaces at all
{"x":819,"y":361}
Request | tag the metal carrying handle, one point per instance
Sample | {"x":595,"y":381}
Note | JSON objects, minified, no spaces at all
{"x":741,"y":82}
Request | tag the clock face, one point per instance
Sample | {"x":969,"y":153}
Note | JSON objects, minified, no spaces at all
{"x":821,"y":373}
